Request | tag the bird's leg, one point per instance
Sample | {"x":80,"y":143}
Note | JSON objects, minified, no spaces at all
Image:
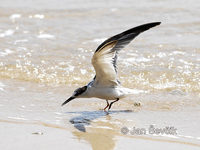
{"x":112,"y":103}
{"x":106,"y":106}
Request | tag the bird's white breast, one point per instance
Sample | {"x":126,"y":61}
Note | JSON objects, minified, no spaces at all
{"x":108,"y":93}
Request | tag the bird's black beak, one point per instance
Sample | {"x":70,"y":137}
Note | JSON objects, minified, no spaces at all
{"x":68,"y":100}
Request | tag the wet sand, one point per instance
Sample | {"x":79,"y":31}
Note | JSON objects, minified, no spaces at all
{"x":29,"y":122}
{"x":45,"y":54}
{"x":101,"y":135}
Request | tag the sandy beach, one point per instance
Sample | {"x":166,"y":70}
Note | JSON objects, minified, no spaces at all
{"x":45,"y":54}
{"x":44,"y":124}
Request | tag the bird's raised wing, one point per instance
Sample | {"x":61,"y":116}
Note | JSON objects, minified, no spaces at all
{"x":105,"y":57}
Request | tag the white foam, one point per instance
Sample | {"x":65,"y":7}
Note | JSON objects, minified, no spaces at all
{"x":8,"y":32}
{"x":17,"y":118}
{"x":6,"y":52}
{"x":39,"y":16}
{"x":104,"y":127}
{"x":15,"y":16}
{"x":46,"y":36}
{"x":70,"y":68}
{"x":83,"y":71}
{"x":2,"y":86}
{"x":185,"y":62}
{"x":140,"y":59}
{"x":99,"y":40}
{"x":178,"y":53}
{"x":161,"y":54}
{"x":21,"y":49}
{"x":164,"y":85}
{"x":20,"y":41}
{"x":136,"y":91}
{"x":113,"y":9}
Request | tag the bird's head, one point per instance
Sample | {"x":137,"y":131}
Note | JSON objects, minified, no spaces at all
{"x":77,"y":93}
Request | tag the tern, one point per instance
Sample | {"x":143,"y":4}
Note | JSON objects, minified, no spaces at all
{"x":105,"y":85}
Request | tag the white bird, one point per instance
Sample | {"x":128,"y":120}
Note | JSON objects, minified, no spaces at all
{"x":105,"y":84}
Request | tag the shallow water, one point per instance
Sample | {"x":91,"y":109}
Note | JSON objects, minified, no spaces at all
{"x":45,"y":53}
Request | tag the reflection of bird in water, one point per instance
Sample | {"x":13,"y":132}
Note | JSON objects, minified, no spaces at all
{"x":105,"y":84}
{"x":102,"y":131}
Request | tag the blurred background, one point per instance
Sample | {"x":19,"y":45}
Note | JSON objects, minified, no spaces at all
{"x":46,"y":48}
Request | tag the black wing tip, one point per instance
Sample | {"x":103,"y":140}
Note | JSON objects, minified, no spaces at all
{"x":136,"y":30}
{"x":142,"y":27}
{"x":156,"y":23}
{"x":153,"y":24}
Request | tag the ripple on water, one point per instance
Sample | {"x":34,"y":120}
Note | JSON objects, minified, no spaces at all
{"x":8,"y":32}
{"x":6,"y":52}
{"x":2,"y":86}
{"x":30,"y":55}
{"x":46,"y":36}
